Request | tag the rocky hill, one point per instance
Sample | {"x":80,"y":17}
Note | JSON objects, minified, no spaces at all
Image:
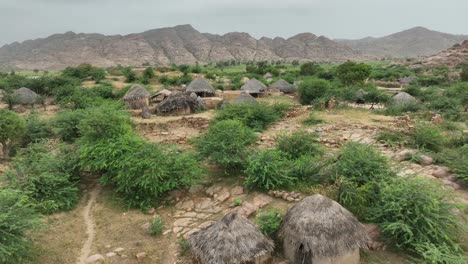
{"x":451,"y":57}
{"x":180,"y":44}
{"x":413,"y":42}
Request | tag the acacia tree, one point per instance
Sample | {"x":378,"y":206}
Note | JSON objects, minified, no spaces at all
{"x":12,"y":127}
{"x":351,"y":73}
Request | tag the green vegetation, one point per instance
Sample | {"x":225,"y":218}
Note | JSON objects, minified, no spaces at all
{"x":298,"y":144}
{"x":226,"y":143}
{"x":12,"y":127}
{"x":350,"y":73}
{"x":85,"y":71}
{"x":269,"y":221}
{"x":312,"y":119}
{"x":36,"y":130}
{"x":156,"y":226}
{"x":310,"y":68}
{"x":464,"y":73}
{"x":427,"y":137}
{"x":311,"y":89}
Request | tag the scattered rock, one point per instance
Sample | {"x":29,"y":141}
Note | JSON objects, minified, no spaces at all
{"x":141,"y":255}
{"x":403,"y":155}
{"x":203,"y":204}
{"x":222,"y":195}
{"x":441,"y":172}
{"x":119,"y":249}
{"x":151,"y":211}
{"x":108,"y":246}
{"x":167,"y":232}
{"x":237,"y":190}
{"x":95,"y":258}
{"x":196,"y":189}
{"x":451,"y":184}
{"x":213,"y":189}
{"x":111,"y":254}
{"x":186,"y":205}
{"x":425,"y":160}
{"x":183,"y":222}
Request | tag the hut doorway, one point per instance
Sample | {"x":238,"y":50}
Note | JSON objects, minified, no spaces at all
{"x":302,"y":256}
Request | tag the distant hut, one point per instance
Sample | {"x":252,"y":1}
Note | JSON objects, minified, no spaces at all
{"x":360,"y":96}
{"x":244,"y":98}
{"x":318,"y":230}
{"x":201,"y":87}
{"x":137,"y":97}
{"x":406,"y":80}
{"x":283,"y":86}
{"x":25,"y":96}
{"x":254,"y":87}
{"x":402,"y":98}
{"x":268,"y":75}
{"x":177,"y":103}
{"x":160,"y":96}
{"x":232,"y":240}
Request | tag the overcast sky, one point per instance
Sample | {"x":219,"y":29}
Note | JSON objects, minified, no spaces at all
{"x":28,"y":19}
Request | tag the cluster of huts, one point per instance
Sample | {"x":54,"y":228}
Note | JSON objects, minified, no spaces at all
{"x":315,"y":230}
{"x":199,"y":93}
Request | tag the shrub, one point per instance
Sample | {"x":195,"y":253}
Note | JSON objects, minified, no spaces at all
{"x":464,"y":73}
{"x":226,"y":143}
{"x":141,"y":172}
{"x":39,"y":174}
{"x":392,"y":137}
{"x":268,"y":169}
{"x":310,"y":68}
{"x":66,"y":123}
{"x":255,"y":116}
{"x":312,"y":88}
{"x":130,"y":75}
{"x":308,"y":169}
{"x":156,"y":226}
{"x":36,"y":130}
{"x":417,"y":220}
{"x":299,"y":143}
{"x":457,"y":160}
{"x":12,"y":127}
{"x":400,"y":109}
{"x":351,"y":73}
{"x":184,"y":246}
{"x":17,"y":217}
{"x":312,"y":119}
{"x":269,"y":221}
{"x":427,"y":137}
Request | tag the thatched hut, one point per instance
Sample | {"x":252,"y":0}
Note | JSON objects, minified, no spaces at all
{"x":244,"y":98}
{"x":318,"y":230}
{"x":232,"y":240}
{"x":403,"y":98}
{"x":201,"y":87}
{"x":283,"y":86}
{"x":177,"y":103}
{"x":137,"y":97}
{"x":268,"y":75}
{"x":254,"y":87}
{"x":360,"y":96}
{"x":160,"y":96}
{"x":25,"y":96}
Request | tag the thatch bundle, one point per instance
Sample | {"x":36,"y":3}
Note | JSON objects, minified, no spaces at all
{"x":232,"y":240}
{"x":402,"y":98}
{"x":178,"y":103}
{"x":254,"y":86}
{"x":283,"y":86}
{"x":25,"y":96}
{"x":137,"y":97}
{"x":201,"y":87}
{"x":244,"y":98}
{"x":160,"y":96}
{"x":318,"y":228}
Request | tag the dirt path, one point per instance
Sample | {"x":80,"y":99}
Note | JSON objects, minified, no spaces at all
{"x":90,"y":226}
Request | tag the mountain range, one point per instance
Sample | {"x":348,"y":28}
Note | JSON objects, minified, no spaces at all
{"x":185,"y":45}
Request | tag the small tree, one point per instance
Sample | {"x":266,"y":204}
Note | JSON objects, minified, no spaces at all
{"x":312,"y":88}
{"x":148,"y":73}
{"x":12,"y":127}
{"x":351,"y":73}
{"x":464,"y":73}
{"x":310,"y":68}
{"x":130,"y":75}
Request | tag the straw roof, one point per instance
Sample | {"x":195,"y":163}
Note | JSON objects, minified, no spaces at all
{"x":232,"y":240}
{"x":268,"y":75}
{"x":283,"y":86}
{"x":403,"y":98}
{"x":25,"y":96}
{"x":254,"y":86}
{"x":200,"y":85}
{"x":322,"y":227}
{"x":135,"y":93}
{"x":244,"y":98}
{"x":177,"y":101}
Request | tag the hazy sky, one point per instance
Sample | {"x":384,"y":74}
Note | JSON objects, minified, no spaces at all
{"x":28,"y":19}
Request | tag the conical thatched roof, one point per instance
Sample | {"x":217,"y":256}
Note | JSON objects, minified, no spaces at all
{"x":135,"y":93}
{"x":177,"y":102}
{"x":403,"y":98}
{"x":244,"y":98}
{"x":283,"y":86}
{"x":25,"y":96}
{"x":253,"y":86}
{"x":200,"y":85}
{"x":268,"y":75}
{"x":232,"y":240}
{"x":322,"y":227}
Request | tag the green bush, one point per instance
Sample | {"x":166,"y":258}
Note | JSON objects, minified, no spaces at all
{"x":427,"y":137}
{"x":130,"y":75}
{"x":226,"y":143}
{"x":184,"y":246}
{"x":308,"y":169}
{"x":268,"y":169}
{"x":400,"y":109}
{"x":47,"y":178}
{"x":457,"y":160}
{"x":65,"y":124}
{"x":311,"y":89}
{"x":312,"y":119}
{"x":464,"y":73}
{"x":156,"y":226}
{"x":392,"y":137}
{"x":12,"y":127}
{"x":17,"y":217}
{"x":255,"y":116}
{"x":299,"y":143}
{"x":269,"y":221}
{"x":416,"y":215}
{"x":36,"y":130}
{"x":310,"y":68}
{"x":141,"y":172}
{"x":350,"y":73}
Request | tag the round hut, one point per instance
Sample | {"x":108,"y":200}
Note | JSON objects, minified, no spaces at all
{"x":360,"y":96}
{"x":232,"y":240}
{"x":137,"y":97}
{"x":254,"y":87}
{"x":25,"y":96}
{"x":177,"y":103}
{"x":283,"y":86}
{"x":244,"y":98}
{"x":402,"y":98}
{"x":318,"y":230}
{"x":201,"y":87}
